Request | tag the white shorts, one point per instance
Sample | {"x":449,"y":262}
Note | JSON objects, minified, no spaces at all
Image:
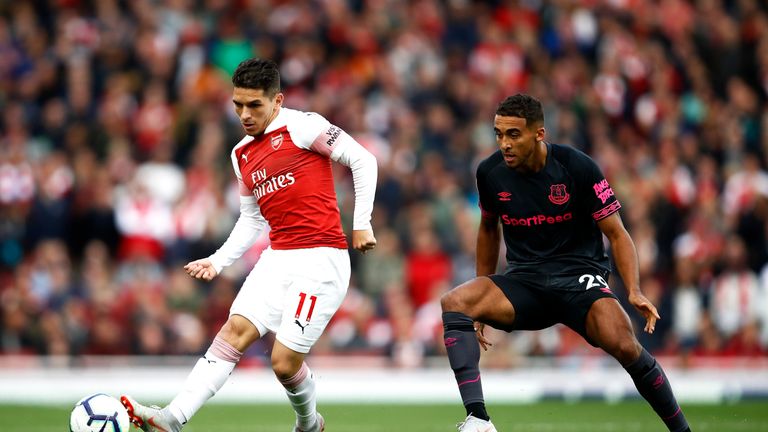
{"x":294,"y":293}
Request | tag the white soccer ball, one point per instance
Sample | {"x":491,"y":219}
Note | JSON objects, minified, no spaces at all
{"x":99,"y":413}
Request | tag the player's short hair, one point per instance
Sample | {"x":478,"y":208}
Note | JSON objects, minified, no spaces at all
{"x":258,"y":74}
{"x":522,"y":106}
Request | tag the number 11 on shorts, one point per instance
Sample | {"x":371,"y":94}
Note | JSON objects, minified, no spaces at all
{"x":302,"y":298}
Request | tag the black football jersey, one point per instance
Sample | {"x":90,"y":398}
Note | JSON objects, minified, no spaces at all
{"x":549,"y":218}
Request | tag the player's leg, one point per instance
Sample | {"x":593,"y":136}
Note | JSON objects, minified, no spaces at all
{"x":252,"y":313}
{"x":206,"y":378}
{"x":609,"y":327}
{"x":316,"y":292}
{"x":294,"y":374}
{"x":212,"y":370}
{"x":477,"y":300}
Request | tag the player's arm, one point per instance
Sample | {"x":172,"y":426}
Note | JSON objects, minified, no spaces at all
{"x":487,"y":248}
{"x":625,"y":256}
{"x":364,"y":173}
{"x":340,"y":147}
{"x":244,"y":234}
{"x":319,"y":135}
{"x":488,"y":241}
{"x":489,"y":231}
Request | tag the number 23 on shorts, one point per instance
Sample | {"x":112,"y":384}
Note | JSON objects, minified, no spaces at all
{"x":593,"y":281}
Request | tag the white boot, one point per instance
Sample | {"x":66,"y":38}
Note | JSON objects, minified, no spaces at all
{"x":474,"y":424}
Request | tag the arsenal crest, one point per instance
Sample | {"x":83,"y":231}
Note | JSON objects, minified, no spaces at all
{"x":558,"y":195}
{"x":276,"y":141}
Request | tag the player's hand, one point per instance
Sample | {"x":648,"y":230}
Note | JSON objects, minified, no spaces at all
{"x":201,"y":269}
{"x":480,"y":329}
{"x":647,"y":309}
{"x":363,"y":240}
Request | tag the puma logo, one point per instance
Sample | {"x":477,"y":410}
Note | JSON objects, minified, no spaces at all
{"x":209,"y":360}
{"x":244,"y":156}
{"x":302,"y":326}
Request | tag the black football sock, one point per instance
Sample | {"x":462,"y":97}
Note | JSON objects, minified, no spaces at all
{"x":653,"y":385}
{"x":477,"y":409}
{"x":464,"y":356}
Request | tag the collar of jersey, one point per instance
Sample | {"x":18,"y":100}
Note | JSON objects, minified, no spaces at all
{"x":278,"y":122}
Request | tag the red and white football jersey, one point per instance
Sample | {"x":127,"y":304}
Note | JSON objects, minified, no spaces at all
{"x":288,"y":170}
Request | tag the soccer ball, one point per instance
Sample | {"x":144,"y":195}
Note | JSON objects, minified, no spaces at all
{"x":99,"y":413}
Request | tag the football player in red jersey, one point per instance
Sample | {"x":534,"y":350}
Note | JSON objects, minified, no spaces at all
{"x":283,"y":168}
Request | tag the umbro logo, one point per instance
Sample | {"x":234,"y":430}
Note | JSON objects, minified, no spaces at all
{"x":504,"y":196}
{"x":658,"y":382}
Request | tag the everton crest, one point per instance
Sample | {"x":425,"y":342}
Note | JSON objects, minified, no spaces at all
{"x":558,"y":195}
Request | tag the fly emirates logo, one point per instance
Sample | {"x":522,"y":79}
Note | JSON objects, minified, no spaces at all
{"x":536,"y":220}
{"x":263,"y":186}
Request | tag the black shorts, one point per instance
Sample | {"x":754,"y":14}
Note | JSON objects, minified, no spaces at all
{"x":542,"y":300}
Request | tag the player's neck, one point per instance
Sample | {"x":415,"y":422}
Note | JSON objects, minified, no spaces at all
{"x":537,"y":160}
{"x":271,"y":119}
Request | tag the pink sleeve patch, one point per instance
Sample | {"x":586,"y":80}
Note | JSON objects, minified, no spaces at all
{"x":603,"y":190}
{"x":606,"y":211}
{"x":327,"y":141}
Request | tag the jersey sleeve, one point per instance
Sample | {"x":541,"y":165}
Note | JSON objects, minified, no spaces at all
{"x":246,"y":231}
{"x":484,"y":192}
{"x":601,"y":200}
{"x":348,"y":152}
{"x":311,"y":131}
{"x":244,"y":234}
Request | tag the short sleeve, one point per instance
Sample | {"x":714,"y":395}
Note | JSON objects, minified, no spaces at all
{"x":600,"y":197}
{"x":307,"y":128}
{"x":487,"y":206}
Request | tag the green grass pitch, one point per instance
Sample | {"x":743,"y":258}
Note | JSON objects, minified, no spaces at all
{"x":541,"y":417}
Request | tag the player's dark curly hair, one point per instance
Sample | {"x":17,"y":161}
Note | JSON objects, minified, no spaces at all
{"x":522,"y":106}
{"x":258,"y":74}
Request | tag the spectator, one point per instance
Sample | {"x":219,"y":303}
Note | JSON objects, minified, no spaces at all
{"x":115,"y":123}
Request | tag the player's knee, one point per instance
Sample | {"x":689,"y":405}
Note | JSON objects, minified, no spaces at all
{"x":285,"y":367}
{"x":451,"y":301}
{"x":626,"y":350}
{"x":238,"y":332}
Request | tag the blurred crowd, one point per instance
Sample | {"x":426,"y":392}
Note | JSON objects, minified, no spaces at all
{"x":116,"y":127}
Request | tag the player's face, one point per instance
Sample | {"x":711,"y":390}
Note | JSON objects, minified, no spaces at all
{"x":517,"y":141}
{"x":255,"y":109}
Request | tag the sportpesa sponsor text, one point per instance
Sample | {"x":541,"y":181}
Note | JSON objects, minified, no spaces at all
{"x":536,"y":220}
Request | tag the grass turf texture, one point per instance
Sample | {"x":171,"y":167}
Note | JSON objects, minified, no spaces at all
{"x":542,"y":417}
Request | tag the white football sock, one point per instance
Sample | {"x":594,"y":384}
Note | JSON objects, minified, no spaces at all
{"x":207,"y":377}
{"x":300,"y":389}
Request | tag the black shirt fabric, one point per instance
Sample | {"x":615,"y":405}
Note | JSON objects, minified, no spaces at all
{"x":549,"y":218}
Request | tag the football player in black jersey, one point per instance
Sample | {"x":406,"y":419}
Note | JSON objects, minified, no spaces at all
{"x":552,"y":205}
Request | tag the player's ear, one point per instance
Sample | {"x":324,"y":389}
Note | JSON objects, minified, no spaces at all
{"x":279,"y":100}
{"x":540,"y":134}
